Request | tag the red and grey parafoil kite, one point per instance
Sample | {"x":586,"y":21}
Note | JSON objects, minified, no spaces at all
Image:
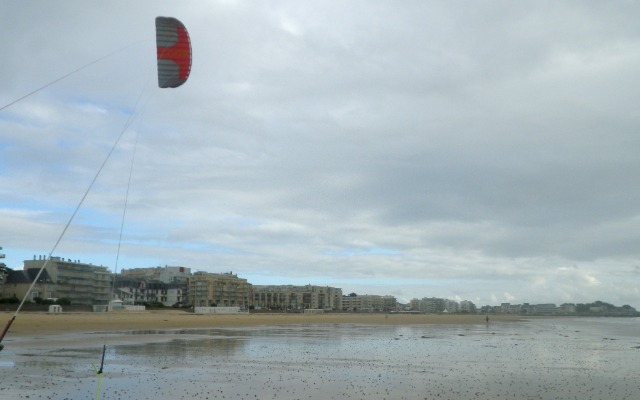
{"x":174,"y":52}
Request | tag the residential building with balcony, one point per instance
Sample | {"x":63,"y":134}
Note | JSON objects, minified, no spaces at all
{"x":224,"y":290}
{"x":139,"y":291}
{"x":166,"y":285}
{"x":368,"y":303}
{"x":164,"y":274}
{"x":292,"y":297}
{"x":433,"y":305}
{"x":80,"y":283}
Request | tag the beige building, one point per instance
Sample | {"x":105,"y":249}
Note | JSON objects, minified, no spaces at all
{"x":368,"y":303}
{"x":291,"y":297}
{"x":18,"y":283}
{"x":82,"y":284}
{"x":223,"y":290}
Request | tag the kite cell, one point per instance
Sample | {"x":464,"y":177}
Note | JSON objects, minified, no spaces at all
{"x":174,"y":52}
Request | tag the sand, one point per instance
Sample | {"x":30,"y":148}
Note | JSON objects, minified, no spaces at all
{"x":176,"y":355}
{"x":38,"y":323}
{"x":320,"y":357}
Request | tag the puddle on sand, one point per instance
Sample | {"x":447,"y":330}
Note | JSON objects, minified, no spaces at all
{"x":539,"y":359}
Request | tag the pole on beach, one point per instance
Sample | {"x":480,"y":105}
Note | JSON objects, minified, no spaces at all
{"x":6,"y":329}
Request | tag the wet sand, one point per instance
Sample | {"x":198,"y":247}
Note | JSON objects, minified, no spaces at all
{"x":322,"y":357}
{"x":39,"y":323}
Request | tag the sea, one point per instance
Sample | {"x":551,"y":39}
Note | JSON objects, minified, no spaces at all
{"x":546,"y":358}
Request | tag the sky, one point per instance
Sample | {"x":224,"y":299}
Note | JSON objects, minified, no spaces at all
{"x":483,"y":151}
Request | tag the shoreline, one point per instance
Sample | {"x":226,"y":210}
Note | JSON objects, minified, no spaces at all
{"x":39,"y":323}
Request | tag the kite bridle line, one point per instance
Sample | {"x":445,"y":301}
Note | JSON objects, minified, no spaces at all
{"x":68,"y":75}
{"x":71,"y":218}
{"x":124,"y":213}
{"x":98,"y":371}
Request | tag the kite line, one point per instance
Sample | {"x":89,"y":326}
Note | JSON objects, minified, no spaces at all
{"x":174,"y":66}
{"x":66,"y":76}
{"x":66,"y":227}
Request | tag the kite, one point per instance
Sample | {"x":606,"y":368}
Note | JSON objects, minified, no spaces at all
{"x":174,"y":52}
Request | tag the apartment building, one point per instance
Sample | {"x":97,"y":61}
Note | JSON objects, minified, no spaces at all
{"x":82,"y":284}
{"x":467,"y":306}
{"x":224,"y":290}
{"x":431,"y":305}
{"x":368,"y":303}
{"x":138,"y":291}
{"x":292,"y":297}
{"x":18,"y":283}
{"x":164,"y":274}
{"x":438,"y":305}
{"x":166,"y":285}
{"x":545,"y":309}
{"x":451,"y":306}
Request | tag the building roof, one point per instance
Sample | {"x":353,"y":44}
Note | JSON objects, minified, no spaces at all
{"x":28,"y":276}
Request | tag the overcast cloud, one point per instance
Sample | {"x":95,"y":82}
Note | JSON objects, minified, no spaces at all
{"x":486,"y":151}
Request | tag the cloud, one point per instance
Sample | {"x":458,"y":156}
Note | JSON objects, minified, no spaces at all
{"x":483,"y":151}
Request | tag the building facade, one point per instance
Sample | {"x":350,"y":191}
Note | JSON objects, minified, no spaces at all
{"x":431,"y":305}
{"x":467,"y":306}
{"x":80,"y":283}
{"x":166,"y":285}
{"x":545,"y":309}
{"x":140,"y":291}
{"x":451,"y":306}
{"x":368,"y":303}
{"x":164,"y":274}
{"x":224,"y":290}
{"x":18,"y":283}
{"x":292,"y":297}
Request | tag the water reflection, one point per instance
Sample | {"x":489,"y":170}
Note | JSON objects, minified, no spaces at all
{"x":180,"y":348}
{"x":553,"y":358}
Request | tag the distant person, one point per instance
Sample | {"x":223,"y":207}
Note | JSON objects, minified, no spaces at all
{"x":487,"y":319}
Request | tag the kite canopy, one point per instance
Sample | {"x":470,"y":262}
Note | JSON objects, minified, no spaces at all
{"x":174,"y":52}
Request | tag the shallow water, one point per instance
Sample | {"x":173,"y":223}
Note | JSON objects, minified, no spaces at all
{"x":576,"y":358}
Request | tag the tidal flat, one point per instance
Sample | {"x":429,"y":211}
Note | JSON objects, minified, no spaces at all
{"x":546,"y":358}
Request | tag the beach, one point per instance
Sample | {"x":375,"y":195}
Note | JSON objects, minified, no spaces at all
{"x":38,"y":323}
{"x":176,"y":355}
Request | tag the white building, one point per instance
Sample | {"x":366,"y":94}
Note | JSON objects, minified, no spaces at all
{"x":133,"y":291}
{"x":164,"y":274}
